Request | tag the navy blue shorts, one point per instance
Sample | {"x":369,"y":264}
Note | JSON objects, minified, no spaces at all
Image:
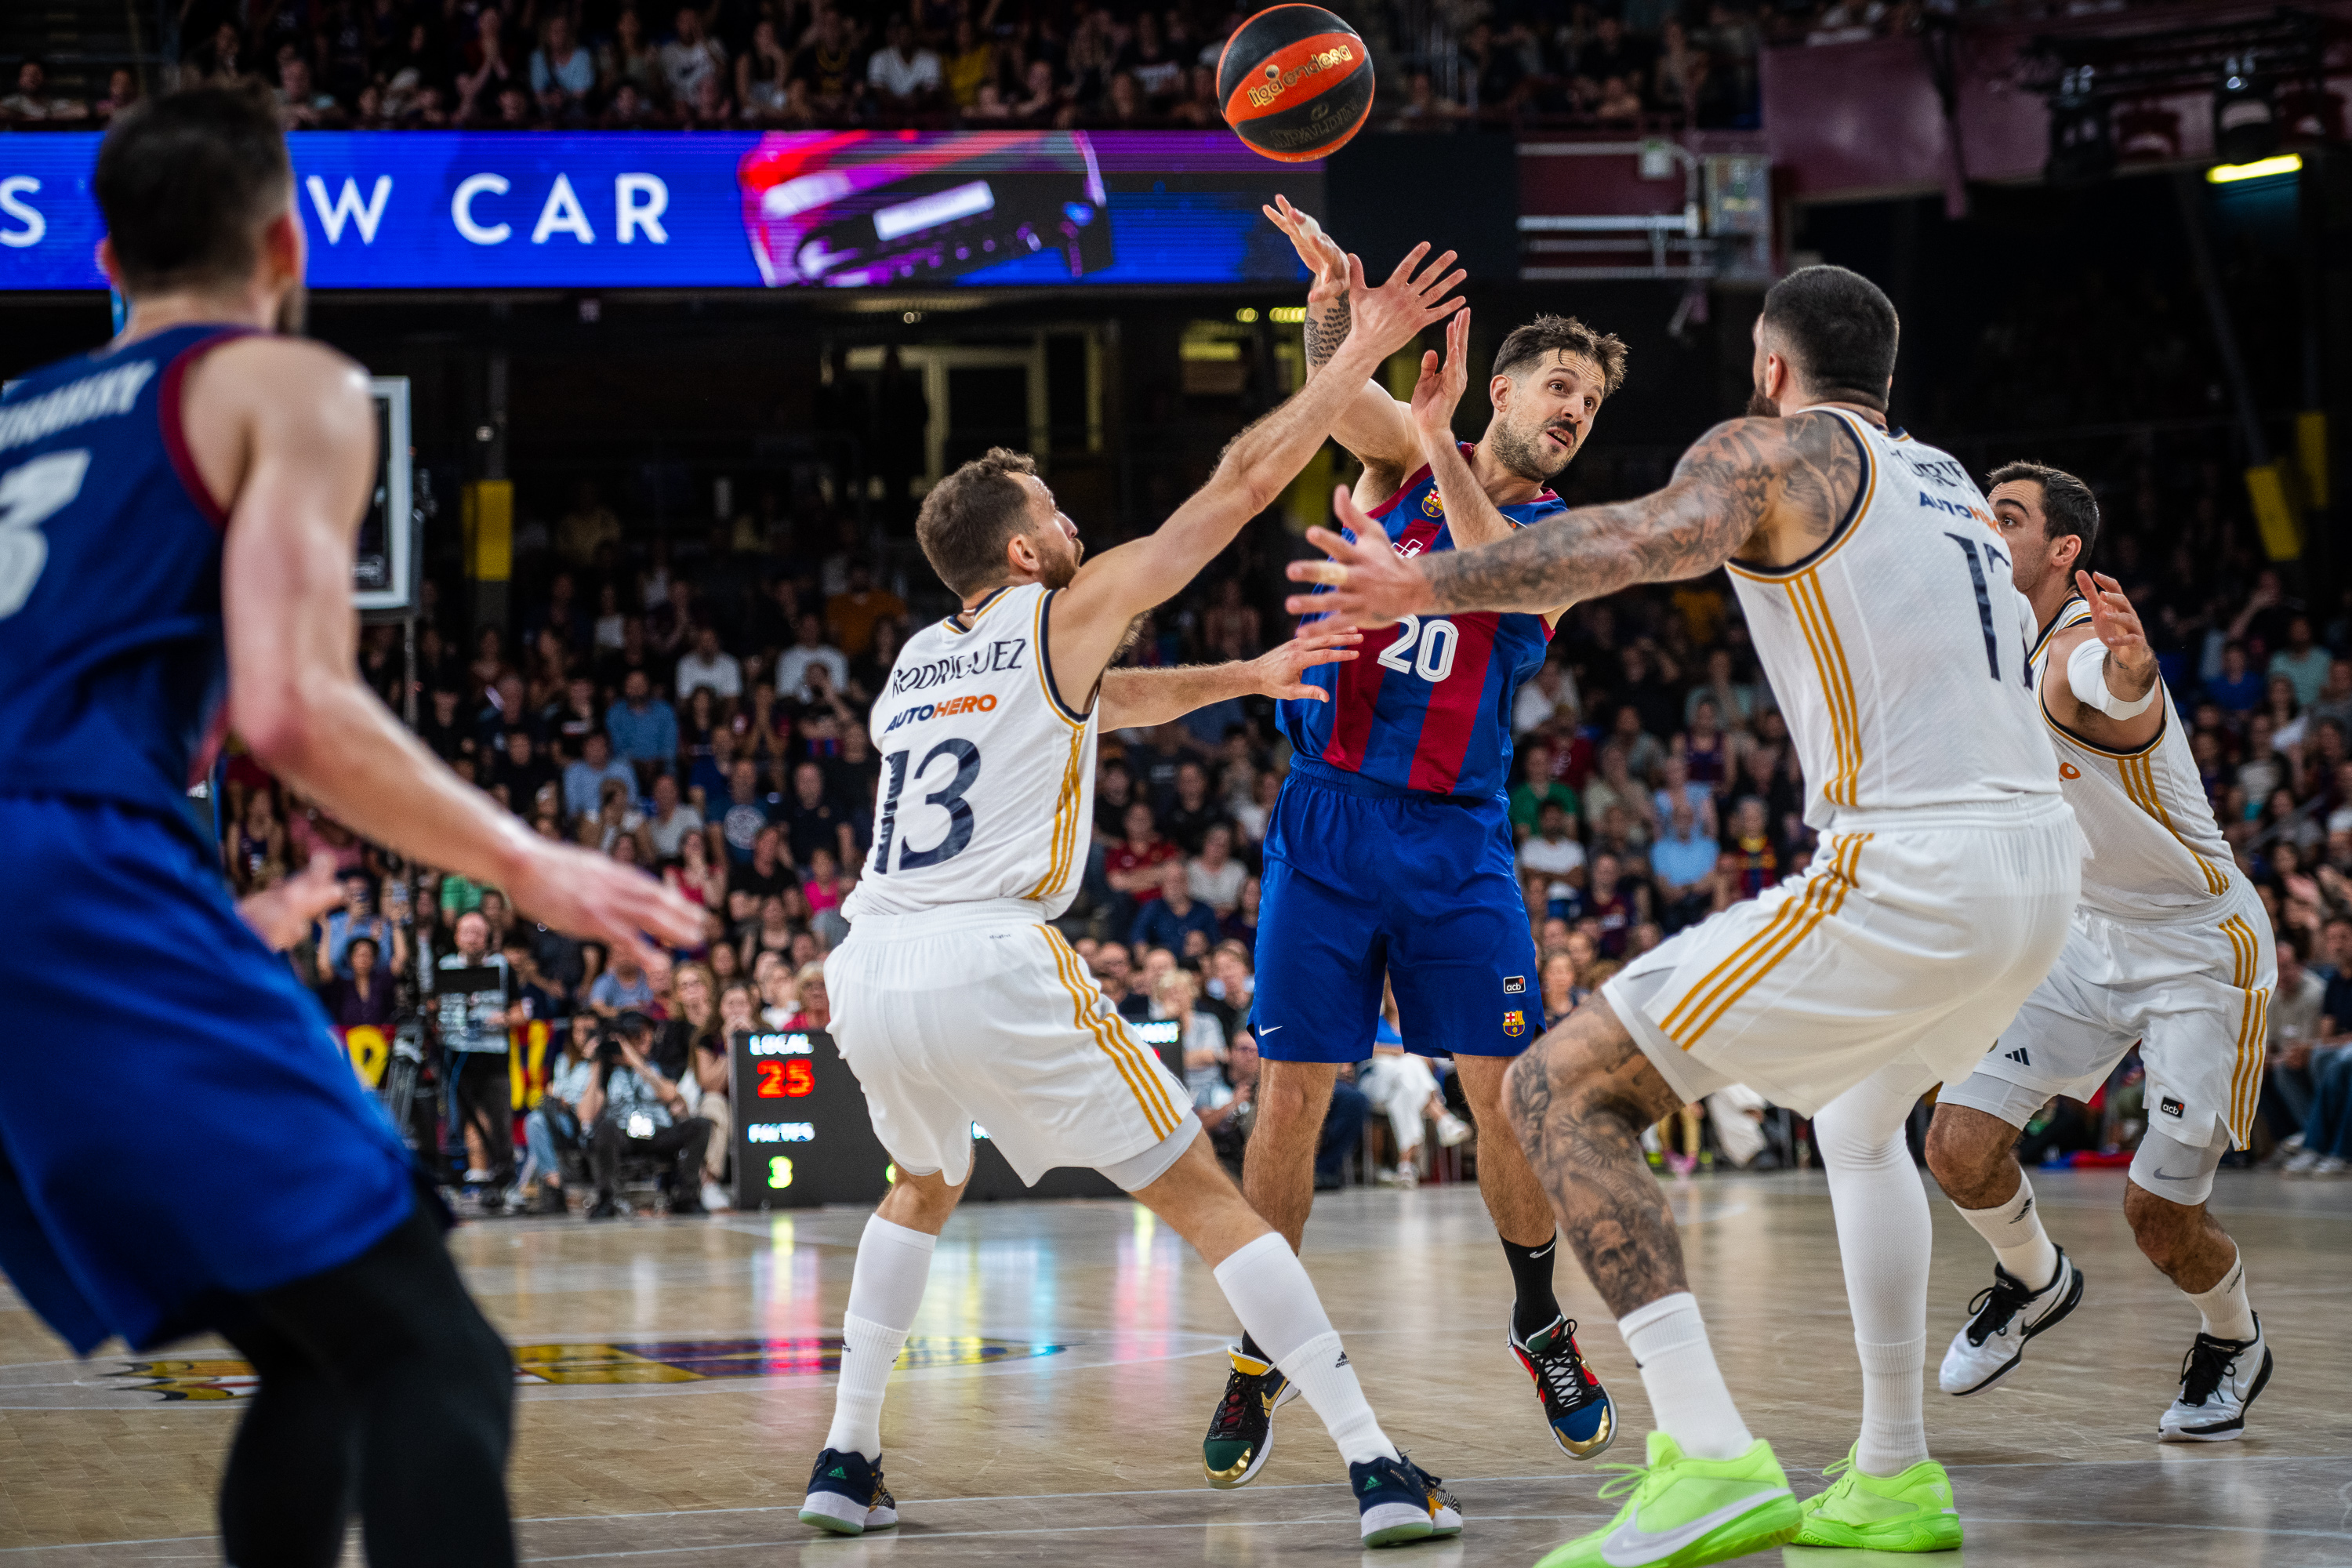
{"x":1362,"y":882}
{"x":176,"y":1119}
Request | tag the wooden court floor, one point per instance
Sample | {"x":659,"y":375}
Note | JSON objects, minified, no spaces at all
{"x":675,"y":1392}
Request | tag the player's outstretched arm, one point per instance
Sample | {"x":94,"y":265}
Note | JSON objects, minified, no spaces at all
{"x":1780,"y":483}
{"x":285,"y":432}
{"x":1373,"y":426}
{"x":2109,"y":696}
{"x":1090,"y":618}
{"x":1138,"y":699}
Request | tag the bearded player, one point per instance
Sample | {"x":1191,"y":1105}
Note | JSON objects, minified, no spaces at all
{"x":2170,"y":948}
{"x":1880,"y":602}
{"x":1388,"y":853}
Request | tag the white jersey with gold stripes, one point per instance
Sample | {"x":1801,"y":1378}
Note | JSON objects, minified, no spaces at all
{"x":988,"y":774}
{"x":1897,"y":649}
{"x":2156,"y":851}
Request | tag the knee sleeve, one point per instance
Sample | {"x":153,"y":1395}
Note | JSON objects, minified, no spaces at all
{"x":2176,"y":1171}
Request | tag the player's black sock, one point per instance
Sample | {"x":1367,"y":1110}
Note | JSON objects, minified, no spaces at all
{"x":1531,"y":1277}
{"x":1249,"y":1349}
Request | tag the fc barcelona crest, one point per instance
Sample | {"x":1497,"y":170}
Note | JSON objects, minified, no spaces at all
{"x":1515,"y":1022}
{"x":1434,"y":504}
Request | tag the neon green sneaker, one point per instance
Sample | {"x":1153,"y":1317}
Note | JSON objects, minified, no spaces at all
{"x":1686,"y":1512}
{"x":1909,"y":1512}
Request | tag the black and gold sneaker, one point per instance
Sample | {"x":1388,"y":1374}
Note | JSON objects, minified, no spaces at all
{"x":1241,"y":1434}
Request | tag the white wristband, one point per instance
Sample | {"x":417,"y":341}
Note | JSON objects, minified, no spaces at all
{"x":2086,"y":674}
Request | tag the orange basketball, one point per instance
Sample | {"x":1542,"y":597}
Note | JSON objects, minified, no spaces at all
{"x":1296,"y":82}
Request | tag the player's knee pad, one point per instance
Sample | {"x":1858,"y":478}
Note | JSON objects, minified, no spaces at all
{"x":2177,"y":1172}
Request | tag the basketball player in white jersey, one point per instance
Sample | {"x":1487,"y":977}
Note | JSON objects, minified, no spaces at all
{"x":954,"y":999}
{"x":1879,"y":598}
{"x":2170,"y":948}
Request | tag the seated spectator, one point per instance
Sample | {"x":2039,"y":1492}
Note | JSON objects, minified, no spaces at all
{"x":1228,"y":1123}
{"x":775,"y":927}
{"x":1553,"y":852}
{"x":358,"y":918}
{"x":1231,"y":987}
{"x":708,"y":667}
{"x":1113,"y":973}
{"x":780,"y":996}
{"x":300,"y":105}
{"x":122,"y":92}
{"x":635,"y":1108}
{"x":767,"y":873}
{"x":2237,"y":688}
{"x":621,"y":987}
{"x":364,"y":996}
{"x":690,"y":56}
{"x":561,"y":68}
{"x":32,"y":102}
{"x":256,"y":848}
{"x":852,"y":614}
{"x":809,"y":650}
{"x":584,"y":781}
{"x":1169,"y":919}
{"x":812,"y":820}
{"x":1213,"y":875}
{"x":1557,"y":984}
{"x":1683,"y":863}
{"x":644,"y":728}
{"x":618,"y":821}
{"x":903,"y":76}
{"x":817,"y":1008}
{"x":553,"y":1128}
{"x":1193,"y":810}
{"x":1242,"y":924}
{"x":1400,"y":1086}
{"x":2302,"y":662}
{"x":1540,"y":787}
{"x":672,"y":822}
{"x":1202,"y":1042}
{"x":521,"y":770}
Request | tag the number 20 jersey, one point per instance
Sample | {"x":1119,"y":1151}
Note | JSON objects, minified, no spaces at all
{"x":114,"y":665}
{"x":988,"y":774}
{"x":1426,"y":704}
{"x":1897,"y":648}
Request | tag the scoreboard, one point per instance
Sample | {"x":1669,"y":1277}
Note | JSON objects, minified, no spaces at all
{"x":802,"y":1136}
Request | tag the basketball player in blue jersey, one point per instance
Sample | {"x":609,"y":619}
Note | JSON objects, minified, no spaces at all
{"x":1388,"y":853}
{"x":177,"y":512}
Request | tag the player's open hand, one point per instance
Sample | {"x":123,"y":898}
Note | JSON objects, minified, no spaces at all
{"x":1319,"y":250}
{"x":1278,"y":670}
{"x":1370,"y":583}
{"x":2114,"y":623}
{"x":1413,"y":300}
{"x":1442,"y":382}
{"x":281,"y":915}
{"x":589,"y":896}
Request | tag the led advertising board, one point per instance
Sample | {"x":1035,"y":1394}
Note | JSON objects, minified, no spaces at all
{"x":855,"y":209}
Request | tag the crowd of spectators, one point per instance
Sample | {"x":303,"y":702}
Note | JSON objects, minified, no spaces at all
{"x":1001,"y":64}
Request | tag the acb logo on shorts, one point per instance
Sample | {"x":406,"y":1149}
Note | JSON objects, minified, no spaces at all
{"x":1515,"y":1022}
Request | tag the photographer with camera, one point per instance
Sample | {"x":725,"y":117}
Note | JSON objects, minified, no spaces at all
{"x":635,"y":1109}
{"x":553,"y":1128}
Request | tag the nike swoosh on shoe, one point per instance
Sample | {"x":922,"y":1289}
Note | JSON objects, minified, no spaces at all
{"x":1629,"y":1545}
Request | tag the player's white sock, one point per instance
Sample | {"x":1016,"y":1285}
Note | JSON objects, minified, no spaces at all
{"x":885,"y":1293}
{"x":1883,"y":1231}
{"x":1276,"y":1303}
{"x":1687,"y":1397}
{"x":2228,"y":1314}
{"x":2013,"y":1231}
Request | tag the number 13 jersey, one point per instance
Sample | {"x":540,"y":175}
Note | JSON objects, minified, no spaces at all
{"x":988,"y":773}
{"x":1897,"y":648}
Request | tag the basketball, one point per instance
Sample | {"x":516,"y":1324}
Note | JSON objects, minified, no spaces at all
{"x":1295,"y":83}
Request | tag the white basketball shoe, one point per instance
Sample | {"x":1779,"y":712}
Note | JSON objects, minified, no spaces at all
{"x":2219,"y":1378}
{"x":2004,"y":1315}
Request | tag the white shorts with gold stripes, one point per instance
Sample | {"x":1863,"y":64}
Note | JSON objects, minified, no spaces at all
{"x":982,"y":1014}
{"x":2195,"y":995}
{"x":1913,"y":935}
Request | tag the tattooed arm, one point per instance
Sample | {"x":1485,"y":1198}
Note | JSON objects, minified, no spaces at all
{"x":1766,"y":489}
{"x":1374,"y":426}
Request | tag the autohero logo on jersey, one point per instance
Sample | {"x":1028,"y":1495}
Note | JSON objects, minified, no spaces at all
{"x":979,"y":702}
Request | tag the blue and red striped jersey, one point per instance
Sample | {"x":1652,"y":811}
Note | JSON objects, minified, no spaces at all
{"x":113,"y":660}
{"x":1427,"y":707}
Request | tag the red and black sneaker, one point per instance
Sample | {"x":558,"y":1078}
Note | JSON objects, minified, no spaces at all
{"x":1575,"y":1405}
